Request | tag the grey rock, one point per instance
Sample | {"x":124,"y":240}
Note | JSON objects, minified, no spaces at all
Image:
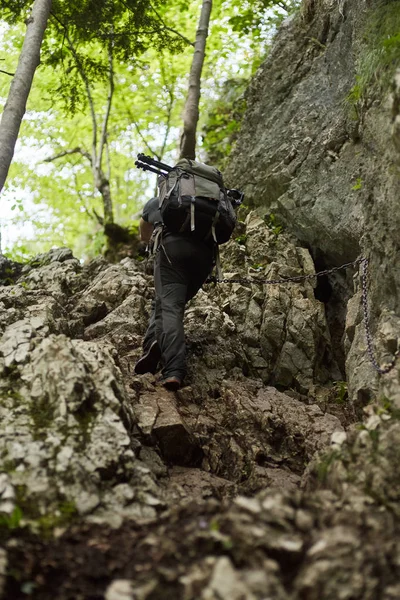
{"x":226,"y":584}
{"x":120,"y":589}
{"x":157,"y":415}
{"x":326,"y":166}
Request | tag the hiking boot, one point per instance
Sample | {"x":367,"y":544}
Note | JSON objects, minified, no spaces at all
{"x":148,"y":363}
{"x":171,"y":383}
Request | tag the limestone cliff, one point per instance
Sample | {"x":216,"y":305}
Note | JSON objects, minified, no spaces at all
{"x":260,"y":478}
{"x":321,"y":153}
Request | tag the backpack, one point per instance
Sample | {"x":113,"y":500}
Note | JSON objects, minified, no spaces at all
{"x":193,"y":199}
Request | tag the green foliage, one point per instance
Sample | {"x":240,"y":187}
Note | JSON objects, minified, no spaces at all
{"x":258,"y":15}
{"x":241,"y":239}
{"x":258,"y":266}
{"x":42,"y":415}
{"x":341,"y":390}
{"x":25,"y":514}
{"x":214,"y":525}
{"x":273,"y":224}
{"x":325,"y":464}
{"x":64,"y":512}
{"x":387,"y":406}
{"x":12,"y":521}
{"x":379,"y":55}
{"x":12,"y":10}
{"x":55,"y":203}
{"x":81,"y":33}
{"x":63,"y":515}
{"x":358,"y":184}
{"x":223,"y":121}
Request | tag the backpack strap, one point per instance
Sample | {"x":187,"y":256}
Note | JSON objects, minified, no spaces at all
{"x":187,"y":188}
{"x":192,"y":203}
{"x":215,"y":221}
{"x":218,"y":263}
{"x":173,"y":178}
{"x":155,"y":239}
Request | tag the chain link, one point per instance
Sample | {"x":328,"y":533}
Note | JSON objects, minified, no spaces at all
{"x":370,"y":349}
{"x":364,"y":299}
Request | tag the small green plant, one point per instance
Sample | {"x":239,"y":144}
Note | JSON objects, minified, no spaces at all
{"x":358,"y":185}
{"x":257,"y":267}
{"x":325,"y":464}
{"x":241,"y":239}
{"x":378,"y":57}
{"x":341,"y":391}
{"x":214,"y":525}
{"x":386,"y":406}
{"x":273,"y":224}
{"x":11,"y":521}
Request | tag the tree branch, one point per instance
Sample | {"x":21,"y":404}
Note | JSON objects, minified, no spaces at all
{"x":87,"y":87}
{"x":185,"y":39}
{"x":80,"y":196}
{"x":170,"y":28}
{"x":103,"y":138}
{"x":170,"y":89}
{"x":7,"y":73}
{"x":136,"y":126}
{"x":68,"y":152}
{"x":99,"y":219}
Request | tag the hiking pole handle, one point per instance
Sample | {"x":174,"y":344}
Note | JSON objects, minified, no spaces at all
{"x":146,"y":167}
{"x":154,"y":163}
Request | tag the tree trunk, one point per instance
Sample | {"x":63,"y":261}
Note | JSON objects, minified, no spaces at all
{"x":191,"y":112}
{"x":15,"y":107}
{"x":105,"y":191}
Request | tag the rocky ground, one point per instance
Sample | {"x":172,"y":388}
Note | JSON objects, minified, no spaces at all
{"x":258,"y":479}
{"x":274,"y":473}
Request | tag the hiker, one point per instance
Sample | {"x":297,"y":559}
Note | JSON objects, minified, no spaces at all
{"x":182,"y":264}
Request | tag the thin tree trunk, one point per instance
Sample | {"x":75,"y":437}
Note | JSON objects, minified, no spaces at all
{"x":105,"y":191}
{"x":15,"y":107}
{"x":191,"y":112}
{"x":103,"y":182}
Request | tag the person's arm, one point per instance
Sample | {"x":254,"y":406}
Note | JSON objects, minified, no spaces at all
{"x":146,"y":229}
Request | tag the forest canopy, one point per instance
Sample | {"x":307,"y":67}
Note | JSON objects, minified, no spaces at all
{"x":112,"y":82}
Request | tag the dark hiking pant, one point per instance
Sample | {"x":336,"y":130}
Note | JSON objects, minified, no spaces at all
{"x":181,"y":266}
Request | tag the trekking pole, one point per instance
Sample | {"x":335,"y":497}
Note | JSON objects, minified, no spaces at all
{"x":146,"y":167}
{"x":154,"y":163}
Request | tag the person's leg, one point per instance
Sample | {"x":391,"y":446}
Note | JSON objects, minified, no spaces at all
{"x":150,"y":335}
{"x":171,"y":291}
{"x":148,"y":362}
{"x":199,"y":266}
{"x":184,"y":265}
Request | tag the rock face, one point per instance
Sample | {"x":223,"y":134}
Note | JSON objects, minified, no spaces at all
{"x":323,"y":157}
{"x":259,"y":478}
{"x":244,"y":473}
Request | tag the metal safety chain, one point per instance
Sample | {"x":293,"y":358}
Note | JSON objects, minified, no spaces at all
{"x":364,"y":298}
